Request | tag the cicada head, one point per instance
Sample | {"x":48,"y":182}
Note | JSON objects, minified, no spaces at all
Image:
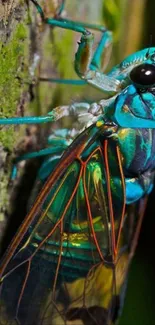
{"x":135,"y":106}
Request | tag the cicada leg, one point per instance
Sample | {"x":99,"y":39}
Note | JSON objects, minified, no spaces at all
{"x":87,"y":63}
{"x":84,"y":113}
{"x":58,"y":6}
{"x":57,"y":142}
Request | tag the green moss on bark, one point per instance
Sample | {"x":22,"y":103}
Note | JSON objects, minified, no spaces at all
{"x":13,"y":74}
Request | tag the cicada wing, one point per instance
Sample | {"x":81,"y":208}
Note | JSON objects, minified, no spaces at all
{"x":133,"y":224}
{"x":33,"y":270}
{"x":65,"y":261}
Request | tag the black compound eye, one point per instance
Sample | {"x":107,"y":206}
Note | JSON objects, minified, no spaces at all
{"x":143,"y":75}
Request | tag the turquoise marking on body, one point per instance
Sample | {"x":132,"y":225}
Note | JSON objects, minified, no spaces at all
{"x":138,"y":107}
{"x":132,"y":115}
{"x":149,"y":100}
{"x":146,"y":145}
{"x":134,"y":191}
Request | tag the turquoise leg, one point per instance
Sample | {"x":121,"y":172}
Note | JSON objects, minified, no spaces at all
{"x":88,"y":66}
{"x":80,"y":111}
{"x":36,"y":154}
{"x":87,"y":63}
{"x":61,"y":8}
{"x":58,"y":142}
{"x":30,"y":155}
{"x":73,"y":82}
{"x":28,"y":119}
{"x":96,"y":62}
{"x":59,"y":22}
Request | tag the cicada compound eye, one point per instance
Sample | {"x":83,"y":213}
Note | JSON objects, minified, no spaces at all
{"x":143,"y":75}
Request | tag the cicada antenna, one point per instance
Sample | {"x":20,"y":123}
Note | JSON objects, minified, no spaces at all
{"x":148,"y":52}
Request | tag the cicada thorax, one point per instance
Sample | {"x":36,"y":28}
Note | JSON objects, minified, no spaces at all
{"x":137,"y":146}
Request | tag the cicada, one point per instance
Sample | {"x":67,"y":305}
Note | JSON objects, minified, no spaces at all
{"x":68,"y":261}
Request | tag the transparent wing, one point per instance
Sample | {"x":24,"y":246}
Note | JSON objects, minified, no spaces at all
{"x":62,"y":263}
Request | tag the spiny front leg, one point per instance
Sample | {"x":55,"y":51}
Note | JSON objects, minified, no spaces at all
{"x":82,"y":112}
{"x":87,"y":64}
